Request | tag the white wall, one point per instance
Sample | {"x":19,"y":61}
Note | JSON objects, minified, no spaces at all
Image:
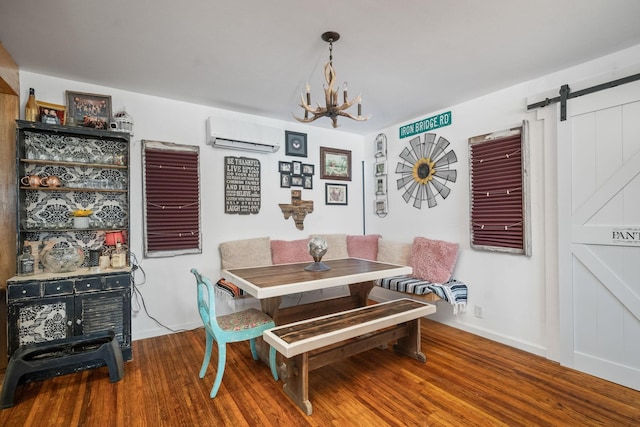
{"x":517,"y":294}
{"x":169,"y":289}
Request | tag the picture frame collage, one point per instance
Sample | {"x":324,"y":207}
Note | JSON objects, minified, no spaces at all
{"x":335,"y":164}
{"x":296,"y":174}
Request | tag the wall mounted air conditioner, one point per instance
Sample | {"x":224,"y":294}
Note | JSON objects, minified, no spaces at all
{"x":240,"y":135}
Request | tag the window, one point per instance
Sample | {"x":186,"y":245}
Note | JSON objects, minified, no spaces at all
{"x":171,"y":199}
{"x":498,"y":165}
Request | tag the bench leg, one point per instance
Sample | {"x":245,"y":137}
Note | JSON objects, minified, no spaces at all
{"x":410,"y":345}
{"x":297,"y":382}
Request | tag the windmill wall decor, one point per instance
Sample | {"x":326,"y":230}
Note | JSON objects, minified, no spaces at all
{"x":425,"y":170}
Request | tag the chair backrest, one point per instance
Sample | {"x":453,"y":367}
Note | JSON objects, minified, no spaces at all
{"x":206,"y":301}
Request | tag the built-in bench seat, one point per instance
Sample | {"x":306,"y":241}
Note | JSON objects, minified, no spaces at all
{"x":453,"y":291}
{"x":313,"y":343}
{"x":433,"y":262}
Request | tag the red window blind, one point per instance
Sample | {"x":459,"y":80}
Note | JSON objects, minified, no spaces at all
{"x":171,"y":199}
{"x":499,"y":211}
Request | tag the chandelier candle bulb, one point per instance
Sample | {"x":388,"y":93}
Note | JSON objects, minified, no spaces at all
{"x":345,"y":92}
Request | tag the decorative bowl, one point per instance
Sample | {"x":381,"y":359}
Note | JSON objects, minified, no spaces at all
{"x":62,"y":260}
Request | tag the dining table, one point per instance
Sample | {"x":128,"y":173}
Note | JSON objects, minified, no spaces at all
{"x":271,"y":283}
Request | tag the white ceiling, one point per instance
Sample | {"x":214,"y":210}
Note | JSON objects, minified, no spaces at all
{"x":407,"y":58}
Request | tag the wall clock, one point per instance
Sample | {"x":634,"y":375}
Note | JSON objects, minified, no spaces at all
{"x":425,"y":170}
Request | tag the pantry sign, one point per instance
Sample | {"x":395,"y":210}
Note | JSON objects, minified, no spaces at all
{"x":426,"y":125}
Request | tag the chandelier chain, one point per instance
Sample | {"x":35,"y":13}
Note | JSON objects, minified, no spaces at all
{"x":331,"y":52}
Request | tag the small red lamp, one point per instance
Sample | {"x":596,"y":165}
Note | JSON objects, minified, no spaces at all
{"x":113,"y":238}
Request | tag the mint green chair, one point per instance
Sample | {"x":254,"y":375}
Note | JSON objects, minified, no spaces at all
{"x":241,"y":326}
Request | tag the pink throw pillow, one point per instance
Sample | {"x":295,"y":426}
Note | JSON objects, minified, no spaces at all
{"x":289,"y":251}
{"x":365,"y":247}
{"x":433,"y":260}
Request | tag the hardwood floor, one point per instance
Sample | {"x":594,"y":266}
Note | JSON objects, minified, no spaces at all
{"x":467,"y":381}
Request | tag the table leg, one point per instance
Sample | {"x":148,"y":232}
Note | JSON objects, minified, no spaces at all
{"x":361,"y":291}
{"x":269,"y":306}
{"x":410,"y":345}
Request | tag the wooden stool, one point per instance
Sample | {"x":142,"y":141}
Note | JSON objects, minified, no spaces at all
{"x":52,"y":355}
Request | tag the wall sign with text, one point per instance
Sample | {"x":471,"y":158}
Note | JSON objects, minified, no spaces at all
{"x":425,"y":125}
{"x":241,"y":185}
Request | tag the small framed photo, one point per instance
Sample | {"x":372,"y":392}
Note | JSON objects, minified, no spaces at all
{"x":88,"y":109}
{"x":335,"y":194}
{"x":296,"y":168}
{"x":381,"y":207}
{"x":296,"y":181}
{"x":380,"y":167}
{"x":335,"y":164}
{"x":295,"y":144}
{"x":381,"y":185}
{"x":308,"y":169}
{"x":285,"y":180}
{"x":381,"y":145}
{"x":307,"y":182}
{"x":52,"y":114}
{"x":284,"y":167}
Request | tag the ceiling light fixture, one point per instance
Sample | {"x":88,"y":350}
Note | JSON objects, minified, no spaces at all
{"x":332,"y":109}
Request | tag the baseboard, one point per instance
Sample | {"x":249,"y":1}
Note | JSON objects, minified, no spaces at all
{"x":159,"y":331}
{"x":455,"y":322}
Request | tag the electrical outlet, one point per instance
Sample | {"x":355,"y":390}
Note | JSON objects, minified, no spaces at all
{"x":477,"y":311}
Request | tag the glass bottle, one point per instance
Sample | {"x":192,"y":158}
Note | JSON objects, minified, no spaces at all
{"x":118,"y":259}
{"x":31,"y":109}
{"x":26,"y":262}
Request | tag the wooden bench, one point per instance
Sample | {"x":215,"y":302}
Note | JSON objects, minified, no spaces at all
{"x":313,"y":343}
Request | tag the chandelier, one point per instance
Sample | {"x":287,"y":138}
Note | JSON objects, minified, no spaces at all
{"x":331,"y":108}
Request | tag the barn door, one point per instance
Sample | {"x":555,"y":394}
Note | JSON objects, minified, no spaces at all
{"x":599,"y":234}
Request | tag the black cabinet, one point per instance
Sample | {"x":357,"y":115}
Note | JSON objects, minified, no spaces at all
{"x":44,"y":309}
{"x":62,"y":172}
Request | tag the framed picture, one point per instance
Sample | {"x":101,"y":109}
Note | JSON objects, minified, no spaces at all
{"x":88,"y":109}
{"x":296,"y":168}
{"x":380,"y":167}
{"x":308,"y":169}
{"x":52,"y":114}
{"x":307,"y":182}
{"x":284,"y":167}
{"x":285,"y":180}
{"x":381,"y":145}
{"x":381,"y":207}
{"x":296,"y":181}
{"x":381,"y":185}
{"x":335,"y":164}
{"x":335,"y":194}
{"x":295,"y":144}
